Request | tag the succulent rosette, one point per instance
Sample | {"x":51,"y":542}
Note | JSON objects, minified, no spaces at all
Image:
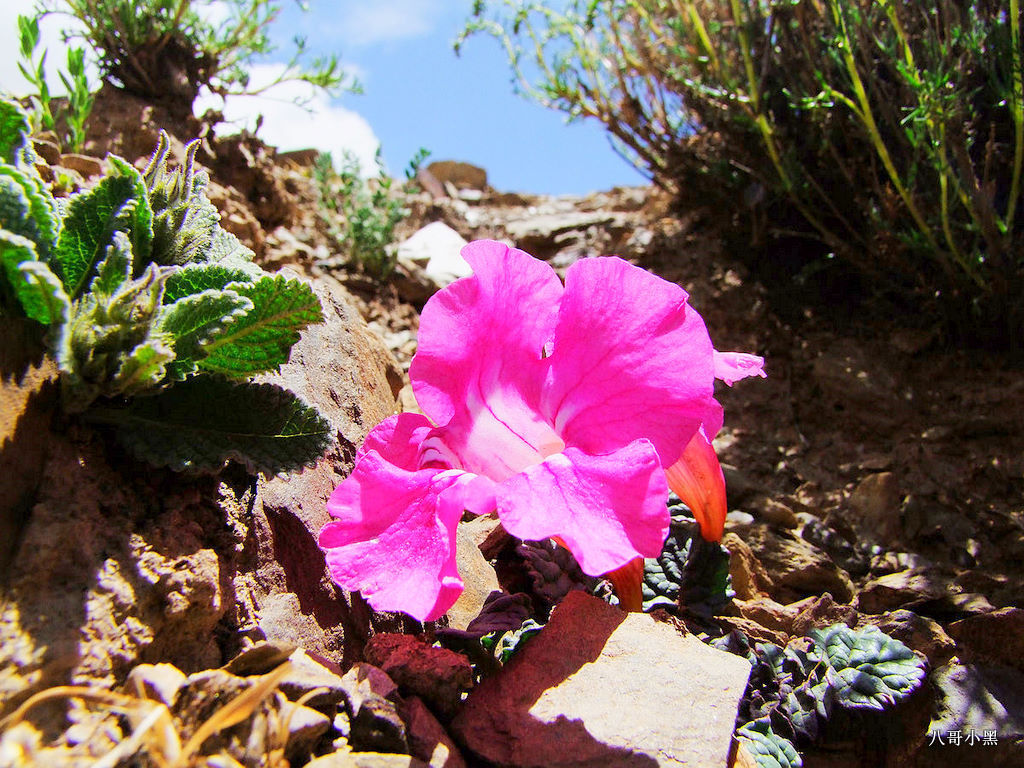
{"x":567,"y":409}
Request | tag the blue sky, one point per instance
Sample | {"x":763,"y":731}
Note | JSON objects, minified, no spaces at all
{"x":417,"y":94}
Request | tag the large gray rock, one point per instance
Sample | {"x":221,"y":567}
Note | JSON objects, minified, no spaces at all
{"x":599,"y":687}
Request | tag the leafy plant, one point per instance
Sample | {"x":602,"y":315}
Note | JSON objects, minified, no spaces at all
{"x":690,"y":574}
{"x":166,"y":50}
{"x":890,"y":133}
{"x":793,"y":690}
{"x":79,"y":100}
{"x":369,"y":209}
{"x":142,"y":291}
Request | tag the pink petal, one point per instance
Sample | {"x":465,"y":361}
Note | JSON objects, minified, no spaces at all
{"x":478,"y":368}
{"x":607,"y":510}
{"x":730,"y":367}
{"x":697,"y":479}
{"x":393,"y":538}
{"x":631,"y":360}
{"x":397,"y":439}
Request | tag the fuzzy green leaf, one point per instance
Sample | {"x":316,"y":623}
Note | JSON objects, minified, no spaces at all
{"x":32,"y":212}
{"x":197,"y":278}
{"x":14,"y":129}
{"x":143,"y":368}
{"x":92,"y":219}
{"x":36,"y":288}
{"x":140,"y":227}
{"x":227,"y":251}
{"x":116,"y":267}
{"x":872,"y":670}
{"x":768,"y":749}
{"x":194,"y":320}
{"x":184,"y":220}
{"x":261,"y":340}
{"x":204,"y":421}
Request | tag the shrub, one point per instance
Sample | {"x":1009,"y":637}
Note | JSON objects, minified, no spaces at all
{"x":157,"y":317}
{"x":166,"y":50}
{"x":369,"y":210}
{"x":890,"y":133}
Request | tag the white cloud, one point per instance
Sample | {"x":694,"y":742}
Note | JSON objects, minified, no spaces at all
{"x":365,"y":22}
{"x":50,"y":39}
{"x":319,"y":125}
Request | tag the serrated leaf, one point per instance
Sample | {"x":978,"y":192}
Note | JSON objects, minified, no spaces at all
{"x":871,"y":669}
{"x":31,"y":213}
{"x":261,"y":339}
{"x":184,"y":220}
{"x":193,"y":320}
{"x":194,"y":279}
{"x":204,"y":421}
{"x":143,"y":368}
{"x":116,"y":267}
{"x":227,"y":251}
{"x":31,"y":282}
{"x":92,"y":219}
{"x":768,"y":749}
{"x":14,"y":130}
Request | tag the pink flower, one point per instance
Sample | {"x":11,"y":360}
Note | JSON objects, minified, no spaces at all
{"x":559,"y":407}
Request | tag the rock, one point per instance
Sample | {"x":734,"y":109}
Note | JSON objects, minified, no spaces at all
{"x":994,"y":638}
{"x":749,"y":578}
{"x":478,"y":577}
{"x":157,"y":682}
{"x":819,"y":613}
{"x":348,"y":759}
{"x":306,"y":727}
{"x":435,"y":249}
{"x":345,"y":370}
{"x":374,"y":723}
{"x":412,"y":283}
{"x":307,"y":675}
{"x":47,"y":150}
{"x":83,"y":164}
{"x":896,"y":590}
{"x":260,"y":658}
{"x":795,"y":566}
{"x":543,"y":235}
{"x":981,"y":698}
{"x":598,"y":687}
{"x":875,"y":504}
{"x":437,"y":675}
{"x":754,"y":630}
{"x":778,"y":514}
{"x":917,"y":632}
{"x":430,"y":184}
{"x":768,"y":613}
{"x":428,"y":740}
{"x":460,"y":175}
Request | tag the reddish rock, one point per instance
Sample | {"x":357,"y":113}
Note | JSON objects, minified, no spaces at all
{"x":995,"y":638}
{"x":428,"y":739}
{"x":821,"y":612}
{"x":749,"y":578}
{"x":436,"y":675}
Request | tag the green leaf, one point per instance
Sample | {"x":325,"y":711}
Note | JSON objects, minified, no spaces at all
{"x":768,"y":749}
{"x":261,"y":340}
{"x":193,"y":320}
{"x":37,"y":289}
{"x":184,"y":220}
{"x":27,"y":208}
{"x":143,"y":368}
{"x":91,"y":221}
{"x":204,"y":421}
{"x":226,"y":251}
{"x":690,"y":572}
{"x":14,"y":130}
{"x":194,"y":279}
{"x":872,"y":670}
{"x":140,"y":226}
{"x":116,"y":268}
